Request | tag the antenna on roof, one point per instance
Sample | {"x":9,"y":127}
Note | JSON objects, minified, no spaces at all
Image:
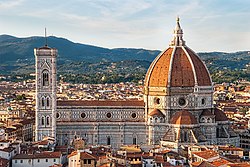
{"x":46,"y":40}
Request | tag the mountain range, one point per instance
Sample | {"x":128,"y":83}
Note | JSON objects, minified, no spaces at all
{"x":17,"y":57}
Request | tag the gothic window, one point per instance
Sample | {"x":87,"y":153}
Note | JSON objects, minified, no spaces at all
{"x":203,"y":101}
{"x":47,"y":102}
{"x":42,"y":121}
{"x":45,"y":78}
{"x":42,"y":102}
{"x":185,"y":136}
{"x":134,"y":140}
{"x":217,"y":132}
{"x":108,"y":140}
{"x":47,"y":120}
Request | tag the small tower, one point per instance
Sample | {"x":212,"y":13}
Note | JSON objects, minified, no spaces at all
{"x":45,"y":92}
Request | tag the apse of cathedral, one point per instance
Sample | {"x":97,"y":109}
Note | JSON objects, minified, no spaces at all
{"x":177,"y":107}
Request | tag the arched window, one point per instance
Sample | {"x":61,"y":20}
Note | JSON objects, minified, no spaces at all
{"x":47,"y":121}
{"x":185,"y":136}
{"x":45,"y":78}
{"x":203,"y":101}
{"x":108,"y":140}
{"x":42,"y":121}
{"x":42,"y":102}
{"x":47,"y":102}
{"x":217,"y":132}
{"x":134,"y":141}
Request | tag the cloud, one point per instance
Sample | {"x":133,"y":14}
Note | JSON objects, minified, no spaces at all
{"x":7,"y":4}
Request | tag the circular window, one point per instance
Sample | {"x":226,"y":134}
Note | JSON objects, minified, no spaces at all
{"x":109,"y":115}
{"x":57,"y":115}
{"x":133,"y":115}
{"x":182,"y":101}
{"x":157,"y":100}
{"x":83,"y":115}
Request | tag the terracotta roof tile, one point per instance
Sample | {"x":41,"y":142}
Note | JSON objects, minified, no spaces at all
{"x":185,"y":65}
{"x":4,"y":162}
{"x":226,"y":148}
{"x":159,"y":159}
{"x":206,"y":154}
{"x":182,"y":73}
{"x":41,"y":155}
{"x":202,"y":164}
{"x":241,"y":164}
{"x":85,"y":155}
{"x":203,"y":77}
{"x":157,"y":75}
{"x":220,"y":162}
{"x":206,"y":112}
{"x":183,"y":118}
{"x":156,"y":112}
{"x":220,"y":115}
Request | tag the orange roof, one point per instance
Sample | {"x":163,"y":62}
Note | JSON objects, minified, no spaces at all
{"x":85,"y":155}
{"x":202,"y":164}
{"x":242,"y":164}
{"x":206,"y":112}
{"x":206,"y":154}
{"x":202,"y":74}
{"x":225,"y":148}
{"x":165,"y":151}
{"x":156,"y":112}
{"x":220,"y":162}
{"x":196,"y":163}
{"x":72,"y":154}
{"x":183,"y":118}
{"x":158,"y":159}
{"x":157,"y":74}
{"x":44,"y":142}
{"x":177,"y":67}
{"x":220,"y":115}
{"x":41,"y":155}
{"x":182,"y":73}
{"x":139,"y":103}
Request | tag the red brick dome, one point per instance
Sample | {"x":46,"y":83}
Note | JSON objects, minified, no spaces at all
{"x":183,"y":118}
{"x":178,"y":66}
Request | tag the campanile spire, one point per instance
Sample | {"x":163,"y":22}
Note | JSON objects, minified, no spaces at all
{"x":178,"y":34}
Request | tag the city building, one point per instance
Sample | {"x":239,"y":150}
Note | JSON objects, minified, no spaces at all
{"x":41,"y":159}
{"x":177,"y":108}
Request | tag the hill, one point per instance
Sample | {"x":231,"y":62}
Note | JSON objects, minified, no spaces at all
{"x":17,"y":58}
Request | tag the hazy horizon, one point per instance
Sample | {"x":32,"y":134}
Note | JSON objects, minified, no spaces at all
{"x":208,"y":25}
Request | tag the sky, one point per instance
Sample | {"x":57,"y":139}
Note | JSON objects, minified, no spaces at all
{"x":208,"y":25}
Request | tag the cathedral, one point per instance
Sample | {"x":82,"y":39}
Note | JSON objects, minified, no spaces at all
{"x":177,"y":107}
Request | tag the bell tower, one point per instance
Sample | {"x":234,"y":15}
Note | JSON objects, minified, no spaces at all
{"x":45,"y":92}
